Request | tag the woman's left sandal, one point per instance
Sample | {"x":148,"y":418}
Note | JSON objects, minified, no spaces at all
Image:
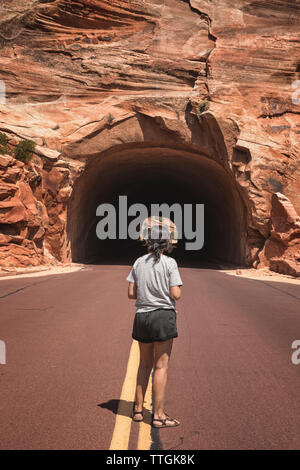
{"x":164,"y":422}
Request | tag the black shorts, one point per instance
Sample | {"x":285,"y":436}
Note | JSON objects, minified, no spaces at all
{"x":156,"y":325}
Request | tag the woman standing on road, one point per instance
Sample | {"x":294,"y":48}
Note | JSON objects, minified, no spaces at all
{"x":155,"y":283}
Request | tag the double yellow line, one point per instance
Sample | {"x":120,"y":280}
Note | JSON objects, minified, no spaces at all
{"x":121,"y":433}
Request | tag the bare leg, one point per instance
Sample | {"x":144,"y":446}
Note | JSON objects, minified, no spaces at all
{"x":144,"y":370}
{"x":162,"y":352}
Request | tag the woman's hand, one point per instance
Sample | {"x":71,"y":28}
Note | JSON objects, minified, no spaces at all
{"x":175,"y":292}
{"x":132,"y":290}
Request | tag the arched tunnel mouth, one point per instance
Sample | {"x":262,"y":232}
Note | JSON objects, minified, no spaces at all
{"x":157,"y":175}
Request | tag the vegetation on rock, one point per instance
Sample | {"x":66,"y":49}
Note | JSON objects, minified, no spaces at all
{"x":4,"y":148}
{"x":24,"y":150}
{"x":203,"y":106}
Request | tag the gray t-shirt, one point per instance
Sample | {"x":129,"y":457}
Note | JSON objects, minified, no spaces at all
{"x":154,"y":281}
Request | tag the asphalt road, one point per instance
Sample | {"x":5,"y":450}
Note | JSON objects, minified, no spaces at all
{"x":231,"y":380}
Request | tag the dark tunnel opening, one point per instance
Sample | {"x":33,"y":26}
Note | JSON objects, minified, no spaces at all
{"x":158,"y":175}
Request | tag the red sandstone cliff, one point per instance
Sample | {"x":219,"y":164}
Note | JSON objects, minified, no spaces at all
{"x":212,"y":81}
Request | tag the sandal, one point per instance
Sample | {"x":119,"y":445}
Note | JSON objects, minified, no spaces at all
{"x":135,"y":413}
{"x":164,"y":422}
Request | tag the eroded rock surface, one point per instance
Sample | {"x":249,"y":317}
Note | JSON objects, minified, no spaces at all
{"x":23,"y":218}
{"x":216,"y":78}
{"x":282,"y":249}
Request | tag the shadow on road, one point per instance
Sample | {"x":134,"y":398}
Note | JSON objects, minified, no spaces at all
{"x":111,"y":405}
{"x":187,"y":262}
{"x":124,"y":408}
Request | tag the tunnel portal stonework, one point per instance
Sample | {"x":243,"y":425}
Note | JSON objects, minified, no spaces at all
{"x":129,"y":96}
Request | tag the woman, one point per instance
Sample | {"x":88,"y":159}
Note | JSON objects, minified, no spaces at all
{"x":155,"y":283}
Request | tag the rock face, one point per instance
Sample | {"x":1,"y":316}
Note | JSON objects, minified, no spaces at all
{"x":115,"y":92}
{"x":23,"y":218}
{"x":282,"y":249}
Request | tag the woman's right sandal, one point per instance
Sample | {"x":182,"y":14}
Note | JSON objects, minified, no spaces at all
{"x":136,"y":413}
{"x":164,"y":422}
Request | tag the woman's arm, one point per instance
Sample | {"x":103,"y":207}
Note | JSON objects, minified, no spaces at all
{"x":175,"y":292}
{"x":132,"y":290}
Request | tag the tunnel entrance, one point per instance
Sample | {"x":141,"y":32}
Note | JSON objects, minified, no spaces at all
{"x":157,"y":175}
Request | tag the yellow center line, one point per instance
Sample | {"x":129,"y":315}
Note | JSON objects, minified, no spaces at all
{"x":120,"y":438}
{"x":144,"y":438}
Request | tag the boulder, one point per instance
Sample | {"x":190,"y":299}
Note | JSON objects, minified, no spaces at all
{"x":281,"y":251}
{"x":6,"y":160}
{"x":12,"y":211}
{"x":7,"y":190}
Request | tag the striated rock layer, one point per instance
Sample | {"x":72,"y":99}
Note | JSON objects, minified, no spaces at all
{"x":133,"y":94}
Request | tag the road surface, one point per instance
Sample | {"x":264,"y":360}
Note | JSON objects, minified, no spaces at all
{"x":68,"y":381}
